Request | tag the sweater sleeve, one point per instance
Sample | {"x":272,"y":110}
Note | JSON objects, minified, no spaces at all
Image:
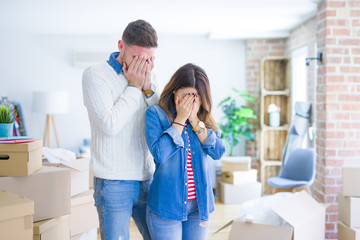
{"x":109,"y":117}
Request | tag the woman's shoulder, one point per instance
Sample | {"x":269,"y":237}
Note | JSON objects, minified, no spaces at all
{"x":156,"y":109}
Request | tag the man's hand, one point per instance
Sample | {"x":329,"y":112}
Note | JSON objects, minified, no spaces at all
{"x":150,"y":66}
{"x":136,"y":72}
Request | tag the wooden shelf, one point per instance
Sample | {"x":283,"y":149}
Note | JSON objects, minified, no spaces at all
{"x":275,"y":88}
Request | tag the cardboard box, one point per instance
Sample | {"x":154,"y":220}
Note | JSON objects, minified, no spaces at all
{"x":301,"y":211}
{"x":53,"y":229}
{"x":89,"y":235}
{"x":79,"y":174}
{"x":49,"y":188}
{"x":20,"y":159}
{"x":351,"y":178}
{"x":16,"y":217}
{"x":84,"y":216}
{"x":237,"y":194}
{"x":230,"y":164}
{"x":239,"y":177}
{"x":346,"y":233}
{"x":349,"y":210}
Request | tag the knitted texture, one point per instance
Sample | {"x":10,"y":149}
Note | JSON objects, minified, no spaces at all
{"x":117,"y":120}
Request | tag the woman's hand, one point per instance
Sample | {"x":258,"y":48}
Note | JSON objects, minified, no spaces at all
{"x":184,"y":108}
{"x":193,"y":115}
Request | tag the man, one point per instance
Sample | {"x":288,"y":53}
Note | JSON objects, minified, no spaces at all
{"x":116,"y":95}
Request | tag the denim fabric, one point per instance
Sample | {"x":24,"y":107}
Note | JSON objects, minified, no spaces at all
{"x":118,"y":200}
{"x":165,"y":229}
{"x":168,"y":192}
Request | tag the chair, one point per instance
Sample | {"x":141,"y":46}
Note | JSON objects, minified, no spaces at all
{"x":298,"y":173}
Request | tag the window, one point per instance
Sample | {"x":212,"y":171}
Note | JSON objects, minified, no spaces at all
{"x":299,"y":84}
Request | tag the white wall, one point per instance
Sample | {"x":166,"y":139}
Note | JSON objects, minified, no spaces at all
{"x":45,"y":62}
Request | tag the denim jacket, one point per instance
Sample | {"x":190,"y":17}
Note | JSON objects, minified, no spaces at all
{"x":168,"y":193}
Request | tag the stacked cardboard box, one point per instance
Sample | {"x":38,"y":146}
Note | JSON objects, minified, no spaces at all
{"x":349,"y":202}
{"x":83,"y":217}
{"x":238,"y":181}
{"x":60,"y":194}
{"x":16,"y":217}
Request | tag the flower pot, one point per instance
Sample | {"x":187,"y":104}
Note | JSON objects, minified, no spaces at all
{"x":6,"y":129}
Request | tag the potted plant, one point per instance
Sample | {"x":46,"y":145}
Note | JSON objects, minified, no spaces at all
{"x":235,"y":124}
{"x":7,"y":119}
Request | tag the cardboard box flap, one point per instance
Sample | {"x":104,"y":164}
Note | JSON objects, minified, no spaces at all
{"x":43,"y":226}
{"x":351,"y":163}
{"x":13,"y":206}
{"x":297,"y":208}
{"x":82,"y":198}
{"x":21,"y":147}
{"x":80,"y":164}
{"x":251,"y":231}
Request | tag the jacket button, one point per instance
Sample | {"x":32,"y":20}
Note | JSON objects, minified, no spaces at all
{"x":197,"y":186}
{"x":194,"y":169}
{"x":193,"y":152}
{"x":200,"y":203}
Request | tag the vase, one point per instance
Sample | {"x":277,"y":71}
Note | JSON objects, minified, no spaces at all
{"x":6,"y":129}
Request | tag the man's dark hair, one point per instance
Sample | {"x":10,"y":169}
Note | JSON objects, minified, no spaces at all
{"x":140,"y":33}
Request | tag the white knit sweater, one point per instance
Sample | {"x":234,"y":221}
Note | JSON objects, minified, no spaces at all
{"x":117,"y":119}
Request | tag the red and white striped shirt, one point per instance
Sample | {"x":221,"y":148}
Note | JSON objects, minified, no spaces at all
{"x":191,"y":183}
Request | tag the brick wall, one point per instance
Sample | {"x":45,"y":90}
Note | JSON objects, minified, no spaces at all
{"x":255,"y":51}
{"x":338,"y":99}
{"x":336,"y":32}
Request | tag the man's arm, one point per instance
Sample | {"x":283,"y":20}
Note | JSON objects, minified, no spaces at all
{"x":109,"y":117}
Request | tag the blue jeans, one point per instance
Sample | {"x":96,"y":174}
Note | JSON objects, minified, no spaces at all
{"x":118,"y":200}
{"x":166,"y":229}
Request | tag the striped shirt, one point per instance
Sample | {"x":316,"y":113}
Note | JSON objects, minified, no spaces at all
{"x":191,"y":183}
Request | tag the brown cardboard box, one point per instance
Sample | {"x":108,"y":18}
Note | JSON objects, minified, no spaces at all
{"x":79,"y":174}
{"x":237,"y":194}
{"x":301,"y":211}
{"x":20,"y":159}
{"x":49,"y":188}
{"x":53,"y":229}
{"x":349,"y":210}
{"x":351,"y":178}
{"x":16,"y":217}
{"x":239,"y":177}
{"x":230,"y":164}
{"x":346,"y":233}
{"x":84,"y":215}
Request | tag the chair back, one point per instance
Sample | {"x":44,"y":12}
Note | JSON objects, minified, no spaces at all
{"x":301,"y":165}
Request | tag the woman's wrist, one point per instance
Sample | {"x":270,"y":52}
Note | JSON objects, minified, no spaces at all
{"x":194,"y":121}
{"x":180,"y":120}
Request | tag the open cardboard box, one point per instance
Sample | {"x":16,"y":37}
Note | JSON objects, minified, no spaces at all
{"x":305,"y":215}
{"x":79,"y":174}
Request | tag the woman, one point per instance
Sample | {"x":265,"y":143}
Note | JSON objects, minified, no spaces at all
{"x":181,"y":134}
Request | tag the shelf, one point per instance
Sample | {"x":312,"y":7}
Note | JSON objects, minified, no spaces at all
{"x":265,"y":163}
{"x":274,"y":88}
{"x":268,"y":128}
{"x":265,"y":92}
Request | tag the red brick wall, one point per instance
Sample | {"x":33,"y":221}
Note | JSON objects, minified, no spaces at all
{"x":255,"y":51}
{"x":336,"y":31}
{"x":338,"y":99}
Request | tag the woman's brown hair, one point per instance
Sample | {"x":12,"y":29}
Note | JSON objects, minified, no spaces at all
{"x":192,"y":76}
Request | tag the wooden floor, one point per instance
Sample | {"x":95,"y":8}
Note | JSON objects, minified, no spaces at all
{"x":222,"y":215}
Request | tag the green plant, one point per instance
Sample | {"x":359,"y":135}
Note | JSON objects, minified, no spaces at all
{"x":7,"y":115}
{"x":235,"y":124}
